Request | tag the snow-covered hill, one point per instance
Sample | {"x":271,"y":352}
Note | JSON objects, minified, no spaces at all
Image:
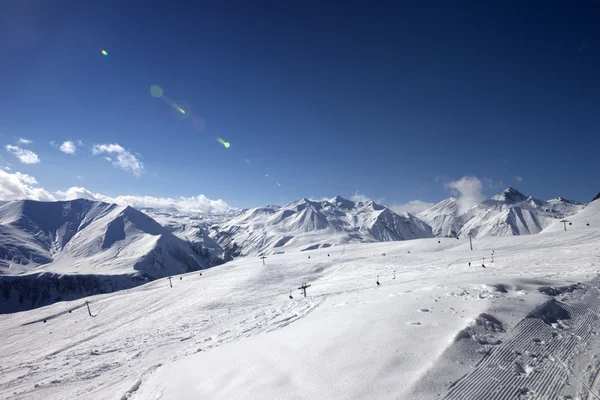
{"x":508,"y":213}
{"x":308,"y":225}
{"x":84,"y":238}
{"x":524,"y":327}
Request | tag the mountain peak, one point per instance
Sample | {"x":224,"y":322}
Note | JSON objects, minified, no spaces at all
{"x":510,"y":195}
{"x":339,"y":201}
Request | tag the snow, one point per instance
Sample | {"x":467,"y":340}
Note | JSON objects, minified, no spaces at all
{"x":505,"y":214}
{"x":525,"y":326}
{"x":307,"y":224}
{"x":442,"y":217}
{"x":111,"y":246}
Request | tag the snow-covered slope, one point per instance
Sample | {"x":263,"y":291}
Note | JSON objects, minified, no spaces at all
{"x":587,"y":218}
{"x":307,"y":225}
{"x":508,"y":213}
{"x":83,"y":237}
{"x":524,"y":327}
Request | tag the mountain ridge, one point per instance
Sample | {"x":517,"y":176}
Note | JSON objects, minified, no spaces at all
{"x":507,"y":213}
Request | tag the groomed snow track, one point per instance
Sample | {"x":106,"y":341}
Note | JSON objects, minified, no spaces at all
{"x":530,"y":363}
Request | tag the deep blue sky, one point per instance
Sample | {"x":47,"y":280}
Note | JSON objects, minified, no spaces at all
{"x":391,"y":99}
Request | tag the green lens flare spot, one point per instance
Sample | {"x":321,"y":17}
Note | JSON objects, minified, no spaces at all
{"x":223,"y":142}
{"x":104,"y":53}
{"x":156,"y":91}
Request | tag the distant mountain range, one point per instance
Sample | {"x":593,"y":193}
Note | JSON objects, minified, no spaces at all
{"x":307,"y":225}
{"x":506,"y":214}
{"x":58,"y":250}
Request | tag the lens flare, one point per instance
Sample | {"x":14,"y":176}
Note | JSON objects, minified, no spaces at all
{"x":223,"y":142}
{"x":248,"y":161}
{"x":173,"y":104}
{"x":105,"y":53}
{"x":156,"y":91}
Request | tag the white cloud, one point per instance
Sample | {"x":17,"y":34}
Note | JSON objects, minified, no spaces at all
{"x":319,"y":199}
{"x":470,"y":192}
{"x":79,"y":193}
{"x":519,"y":179}
{"x":25,"y":141}
{"x":413,"y":207}
{"x":124,"y":159}
{"x":68,"y":147}
{"x":359,"y":197}
{"x":108,"y":159}
{"x":198,"y":203}
{"x":19,"y":186}
{"x":24,"y":155}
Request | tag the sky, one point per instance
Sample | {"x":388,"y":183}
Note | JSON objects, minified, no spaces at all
{"x":401,"y":102}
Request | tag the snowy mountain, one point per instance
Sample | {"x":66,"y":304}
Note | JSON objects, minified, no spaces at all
{"x":41,"y":243}
{"x":308,"y":225}
{"x":193,"y":227}
{"x":505,"y":214}
{"x":435,"y":327}
{"x":442,"y":218}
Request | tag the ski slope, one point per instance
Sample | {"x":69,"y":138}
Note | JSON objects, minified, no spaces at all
{"x":525,"y":326}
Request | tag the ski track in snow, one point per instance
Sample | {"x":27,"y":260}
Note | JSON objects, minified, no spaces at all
{"x":529,"y":363}
{"x":482,"y":325}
